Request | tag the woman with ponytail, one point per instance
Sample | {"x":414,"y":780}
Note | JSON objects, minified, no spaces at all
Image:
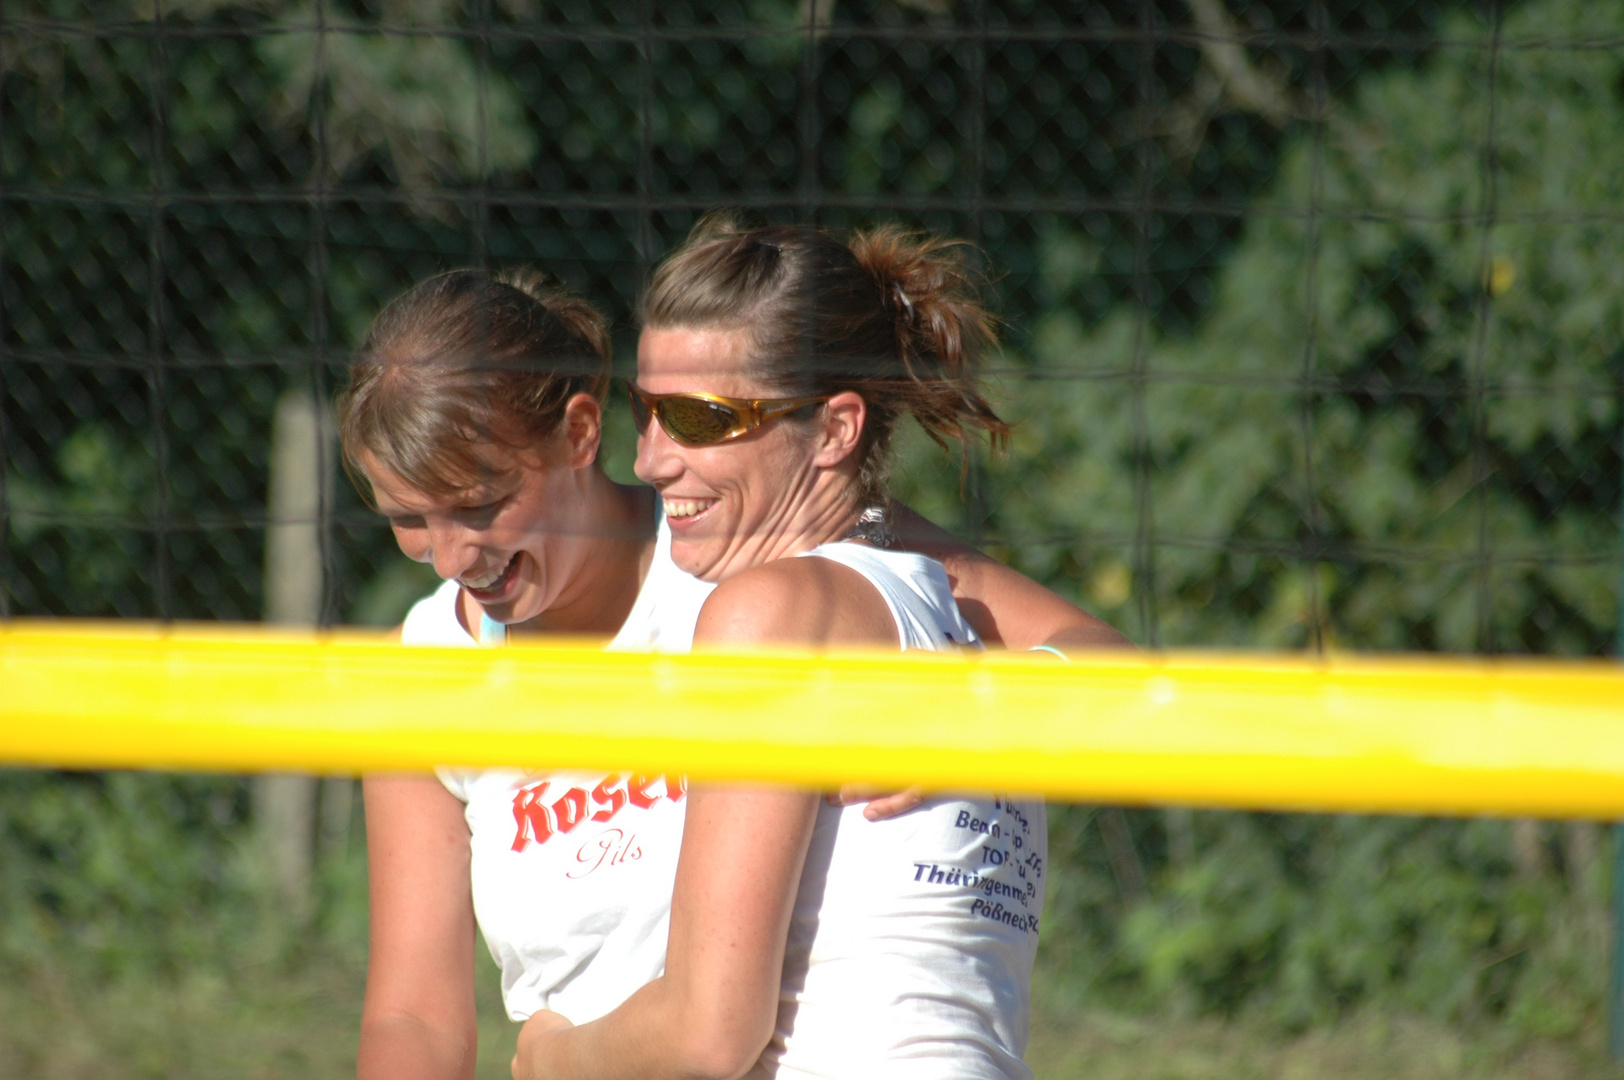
{"x":806,"y":939}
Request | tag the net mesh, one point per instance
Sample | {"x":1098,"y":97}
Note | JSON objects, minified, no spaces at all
{"x":1313,"y":325}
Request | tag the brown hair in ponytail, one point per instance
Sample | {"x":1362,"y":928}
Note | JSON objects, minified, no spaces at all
{"x":463,"y":360}
{"x":896,"y":317}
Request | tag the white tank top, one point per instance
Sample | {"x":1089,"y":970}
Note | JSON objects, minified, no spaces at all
{"x":911,"y":944}
{"x":572,"y":872}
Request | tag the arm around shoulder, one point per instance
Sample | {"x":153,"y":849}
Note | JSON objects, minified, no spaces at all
{"x":1005,"y":606}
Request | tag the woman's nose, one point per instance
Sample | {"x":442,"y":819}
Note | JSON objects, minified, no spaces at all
{"x":658,"y":457}
{"x":451,"y":549}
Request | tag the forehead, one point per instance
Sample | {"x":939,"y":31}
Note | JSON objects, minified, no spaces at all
{"x":393,"y":494}
{"x":677,"y":359}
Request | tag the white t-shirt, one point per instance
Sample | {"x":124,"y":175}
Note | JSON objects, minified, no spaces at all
{"x":573,"y":871}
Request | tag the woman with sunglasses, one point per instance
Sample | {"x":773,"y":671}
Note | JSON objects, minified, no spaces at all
{"x":805,"y":940}
{"x":472,"y":417}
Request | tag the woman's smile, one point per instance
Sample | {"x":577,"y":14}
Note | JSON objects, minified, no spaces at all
{"x":680,"y":508}
{"x":492,"y":586}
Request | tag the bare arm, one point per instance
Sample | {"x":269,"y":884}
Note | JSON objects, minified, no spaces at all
{"x":712,"y":1012}
{"x":1005,"y":607}
{"x":418,"y":1019}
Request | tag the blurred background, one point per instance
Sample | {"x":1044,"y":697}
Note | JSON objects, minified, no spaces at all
{"x":1315,"y":341}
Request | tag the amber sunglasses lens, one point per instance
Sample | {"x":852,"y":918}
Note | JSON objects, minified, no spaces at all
{"x":695,"y":421}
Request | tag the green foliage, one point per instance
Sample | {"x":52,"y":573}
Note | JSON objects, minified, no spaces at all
{"x":1394,"y":429}
{"x":99,"y":481}
{"x":424,"y":101}
{"x":1295,"y":921}
{"x":149,"y":876}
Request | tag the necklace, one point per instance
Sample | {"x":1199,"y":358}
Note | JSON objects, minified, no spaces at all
{"x":874,"y":526}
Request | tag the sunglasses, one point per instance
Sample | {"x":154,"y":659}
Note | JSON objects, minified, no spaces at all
{"x":694,"y":419}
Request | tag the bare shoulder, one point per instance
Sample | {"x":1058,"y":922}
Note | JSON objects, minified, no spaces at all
{"x":806,"y":601}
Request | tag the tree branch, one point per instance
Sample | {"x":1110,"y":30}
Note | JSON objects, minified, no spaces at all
{"x":1248,"y":87}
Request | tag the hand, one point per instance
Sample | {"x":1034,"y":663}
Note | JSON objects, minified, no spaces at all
{"x":880,"y":807}
{"x":524,"y":1062}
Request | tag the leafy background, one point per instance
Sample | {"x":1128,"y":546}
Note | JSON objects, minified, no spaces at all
{"x":1317,"y":343}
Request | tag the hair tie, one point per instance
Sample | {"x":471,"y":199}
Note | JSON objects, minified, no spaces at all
{"x":907,"y":304}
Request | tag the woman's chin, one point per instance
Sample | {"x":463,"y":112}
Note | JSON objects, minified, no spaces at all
{"x":693,"y":557}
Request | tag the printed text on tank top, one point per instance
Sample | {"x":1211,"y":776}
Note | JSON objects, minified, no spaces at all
{"x":540,"y":817}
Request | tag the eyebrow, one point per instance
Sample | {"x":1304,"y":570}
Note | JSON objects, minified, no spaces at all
{"x":471,"y":497}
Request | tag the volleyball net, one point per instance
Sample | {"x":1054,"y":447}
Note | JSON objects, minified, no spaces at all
{"x":1401,"y":734}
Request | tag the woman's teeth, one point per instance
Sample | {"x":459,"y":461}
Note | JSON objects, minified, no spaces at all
{"x":685,"y":508}
{"x":486,"y":580}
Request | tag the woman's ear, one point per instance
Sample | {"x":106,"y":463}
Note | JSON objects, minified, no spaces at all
{"x":582,"y":430}
{"x":842,"y":419}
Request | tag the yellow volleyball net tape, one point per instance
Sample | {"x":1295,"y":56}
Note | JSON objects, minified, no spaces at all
{"x":1344,"y":733}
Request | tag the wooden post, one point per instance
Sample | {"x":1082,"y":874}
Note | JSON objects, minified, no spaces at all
{"x":1528,"y":848}
{"x":300,"y":489}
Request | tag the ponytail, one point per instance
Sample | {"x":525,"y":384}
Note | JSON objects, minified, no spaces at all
{"x":943,"y":329}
